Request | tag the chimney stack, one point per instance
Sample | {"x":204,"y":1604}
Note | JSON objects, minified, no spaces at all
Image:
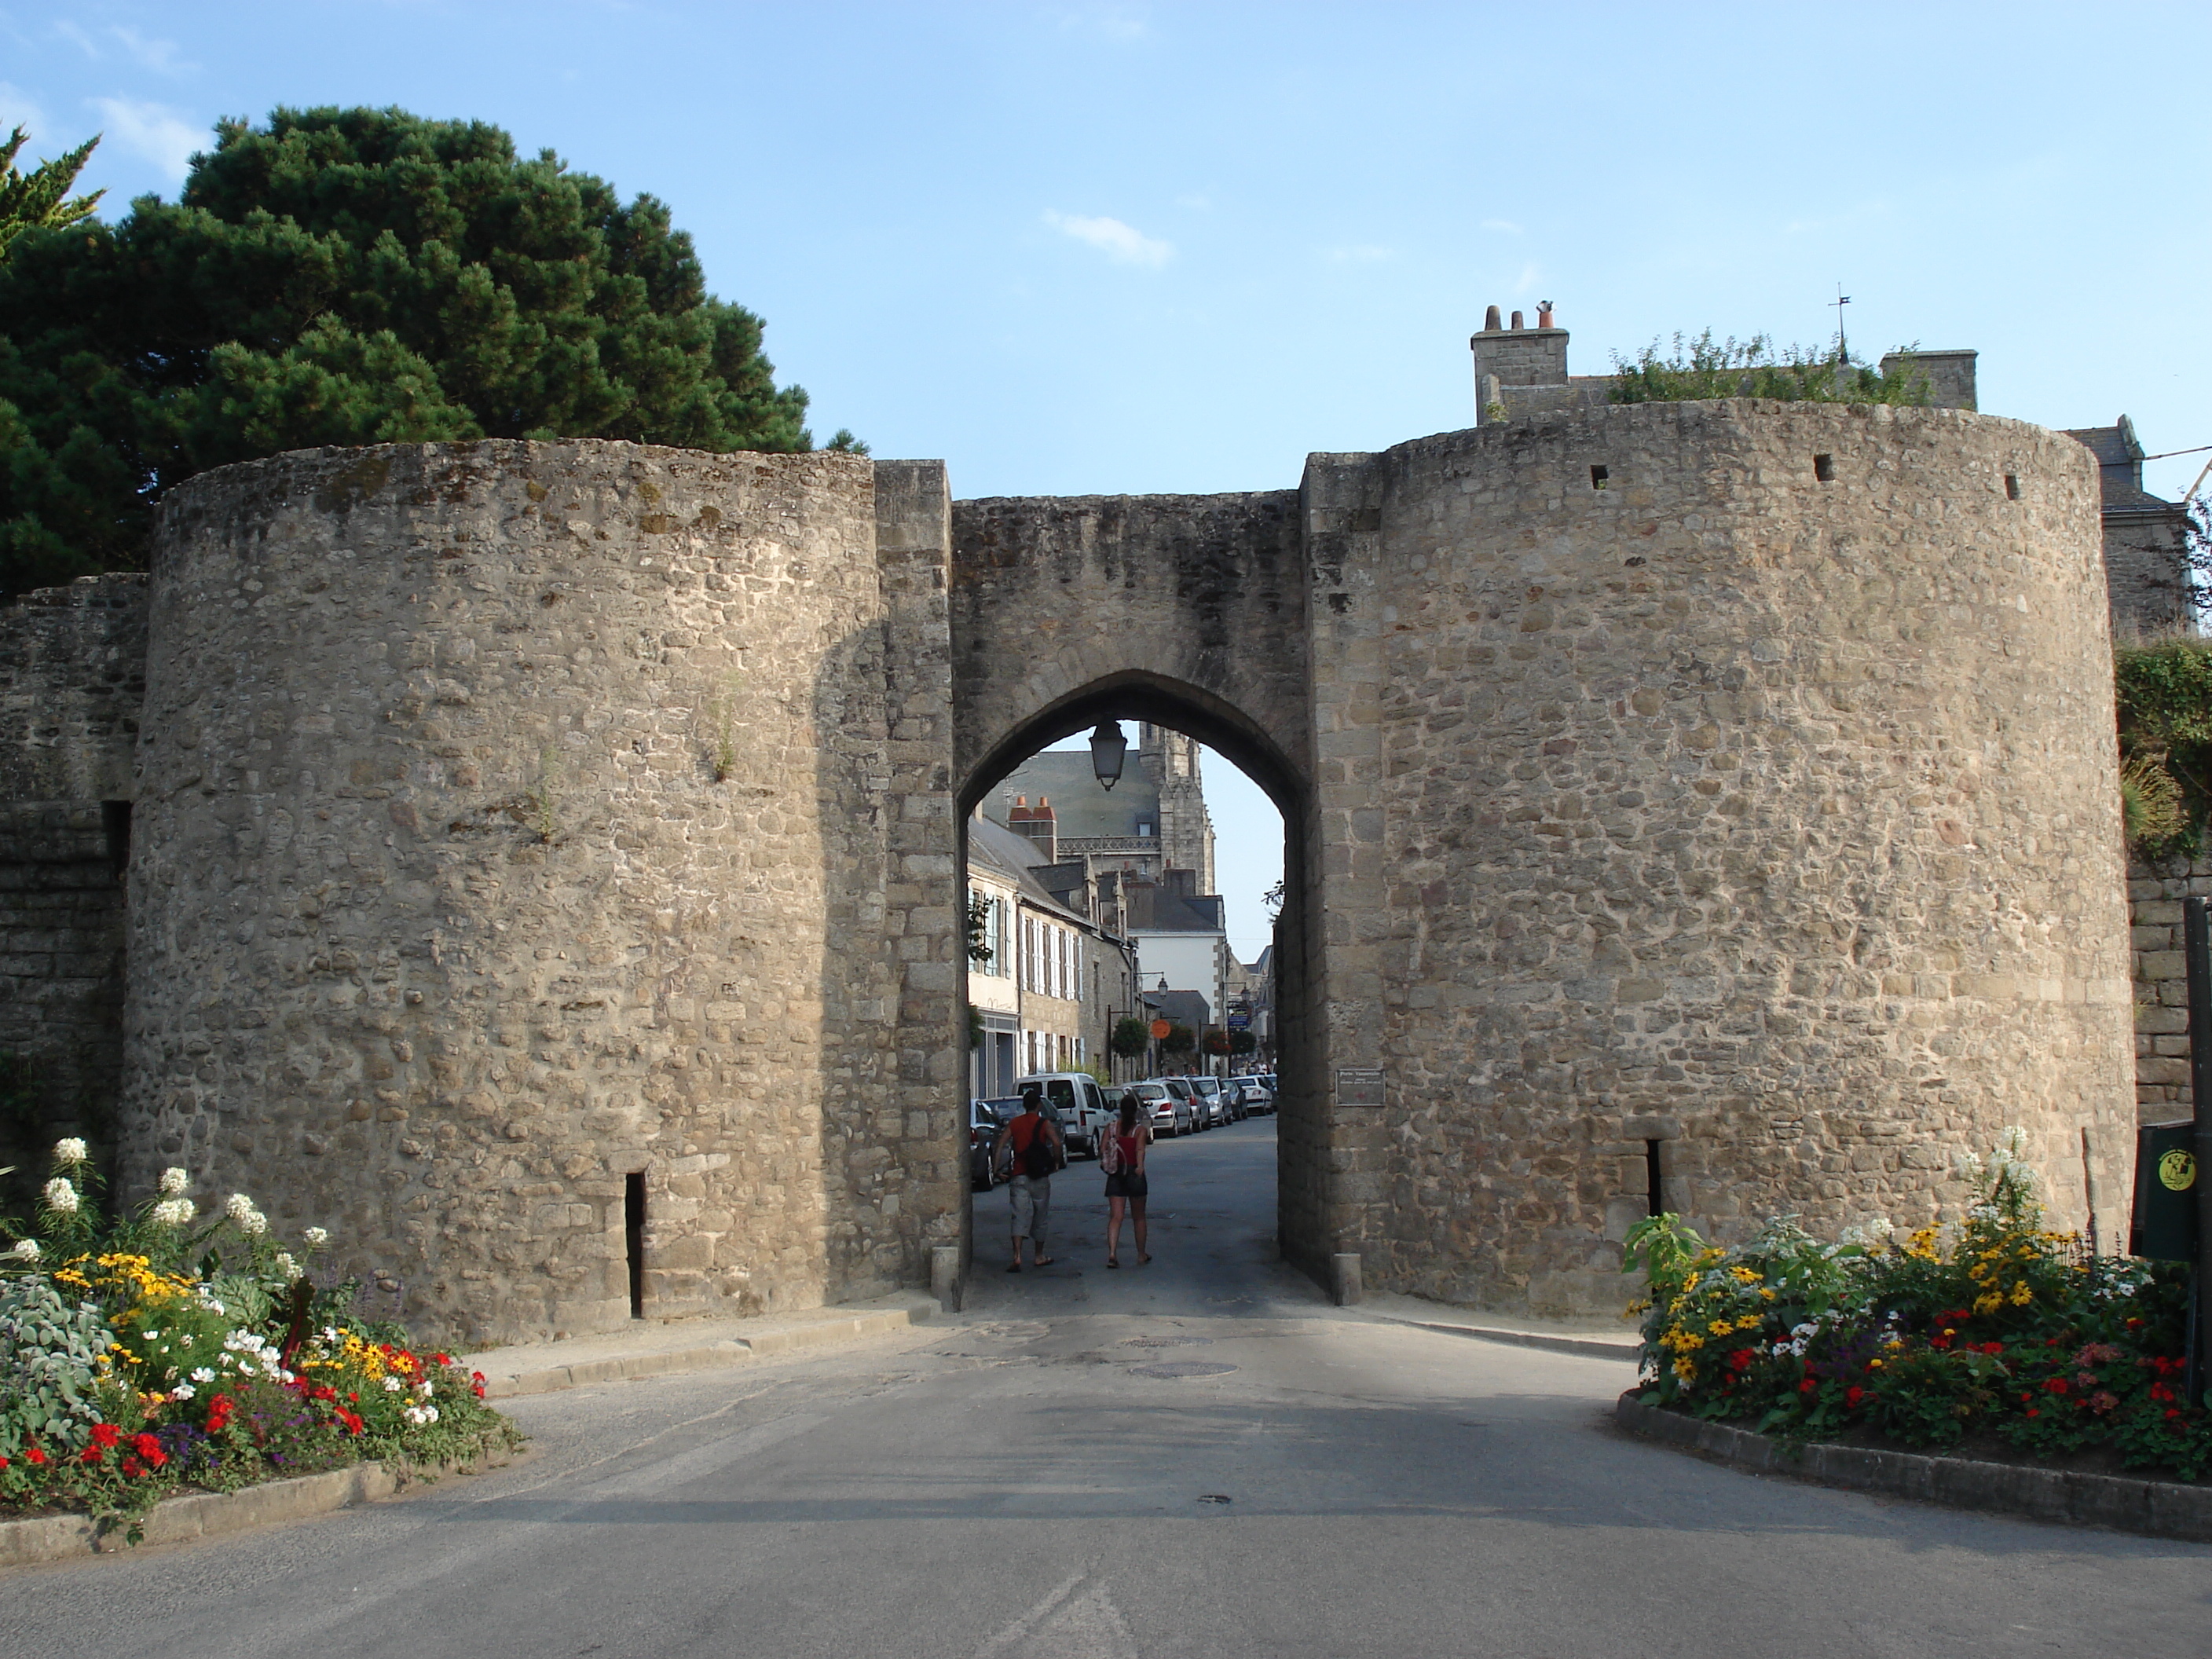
{"x":1543,"y":313}
{"x":1517,"y":323}
{"x":1040,"y":823}
{"x":1490,"y":320}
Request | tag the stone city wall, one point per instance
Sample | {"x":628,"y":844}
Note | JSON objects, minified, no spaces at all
{"x":2155,"y":889}
{"x":1713,"y":803}
{"x":516,"y":817}
{"x":72,"y":675}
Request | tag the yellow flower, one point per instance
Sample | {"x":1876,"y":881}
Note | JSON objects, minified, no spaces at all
{"x":2021,"y":1296}
{"x":1686,"y":1369}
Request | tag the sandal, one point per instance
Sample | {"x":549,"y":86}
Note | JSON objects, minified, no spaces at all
{"x":1142,"y":1259}
{"x":1016,"y":1269}
{"x":1112,"y":1262}
{"x":1046,"y":1260}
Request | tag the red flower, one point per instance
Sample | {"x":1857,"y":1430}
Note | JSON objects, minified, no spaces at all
{"x":2055,"y":1385}
{"x":2171,"y":1414}
{"x":1992,"y":1347}
{"x":3,"y":1463}
{"x":1807,"y":1386}
{"x":219,"y":1411}
{"x":151,"y":1449}
{"x":132,"y":1466}
{"x":442,"y":1359}
{"x":353,"y":1423}
{"x":2031,"y":1412}
{"x":2159,"y":1391}
{"x":105,"y":1434}
{"x":91,"y":1454}
{"x":34,"y":1456}
{"x":1854,"y":1394}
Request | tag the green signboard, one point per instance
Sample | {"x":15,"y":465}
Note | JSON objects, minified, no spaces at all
{"x":2165,"y":1226}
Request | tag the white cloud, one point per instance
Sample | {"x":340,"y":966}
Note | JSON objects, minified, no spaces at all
{"x":1364,"y":254}
{"x":18,"y":111}
{"x":77,"y":37}
{"x":153,"y":132}
{"x":160,"y":56}
{"x":1111,"y":22}
{"x":1529,"y":277}
{"x":1123,"y":244}
{"x":1505,"y":225}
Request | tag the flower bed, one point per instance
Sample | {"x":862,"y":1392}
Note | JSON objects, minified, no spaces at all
{"x":1992,"y":1328}
{"x":159,"y":1353}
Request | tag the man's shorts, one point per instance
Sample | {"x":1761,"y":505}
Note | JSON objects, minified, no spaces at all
{"x":1032,"y":1197}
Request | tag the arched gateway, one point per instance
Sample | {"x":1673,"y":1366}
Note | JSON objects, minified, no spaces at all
{"x":521,"y":831}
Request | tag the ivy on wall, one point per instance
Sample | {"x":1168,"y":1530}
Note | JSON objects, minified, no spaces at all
{"x":2163,"y":690}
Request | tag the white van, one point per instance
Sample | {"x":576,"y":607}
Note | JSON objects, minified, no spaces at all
{"x":1072,"y":1100}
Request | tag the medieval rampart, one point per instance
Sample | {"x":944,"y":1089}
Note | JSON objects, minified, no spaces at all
{"x":524,"y":834}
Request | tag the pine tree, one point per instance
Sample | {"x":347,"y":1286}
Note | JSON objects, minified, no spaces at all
{"x":39,"y":200}
{"x":351,"y":276}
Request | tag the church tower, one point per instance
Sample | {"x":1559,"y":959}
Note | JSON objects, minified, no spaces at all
{"x":1170,"y":760}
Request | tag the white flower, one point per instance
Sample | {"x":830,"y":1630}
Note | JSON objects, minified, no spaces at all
{"x":238,"y":1207}
{"x":173,"y":1211}
{"x":422,"y":1388}
{"x":61,"y":1197}
{"x":175,"y":1181}
{"x":421,"y":1416}
{"x":68,"y":1152}
{"x":203,"y":1375}
{"x":393,"y":1385}
{"x":316,"y":1237}
{"x":26,"y":1249}
{"x":286,"y":1266}
{"x":182,"y":1391}
{"x":256,"y":1224}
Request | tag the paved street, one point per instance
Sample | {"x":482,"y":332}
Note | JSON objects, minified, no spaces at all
{"x":1020,"y":1482}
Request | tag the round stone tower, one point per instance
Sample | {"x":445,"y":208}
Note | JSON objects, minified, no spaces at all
{"x":1747,"y":816}
{"x":513,"y":892}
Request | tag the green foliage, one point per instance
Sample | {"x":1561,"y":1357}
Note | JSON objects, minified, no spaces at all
{"x":50,"y":1354}
{"x":1215,"y":1041}
{"x":39,"y":200}
{"x":979,"y":924}
{"x":349,"y":277}
{"x":2164,"y":692}
{"x":1180,"y":1040}
{"x":1993,"y":1324}
{"x":1130,"y":1036}
{"x":1702,"y":368}
{"x":1243,"y":1042}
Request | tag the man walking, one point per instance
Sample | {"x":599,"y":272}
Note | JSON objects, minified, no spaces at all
{"x":1032,"y":1143}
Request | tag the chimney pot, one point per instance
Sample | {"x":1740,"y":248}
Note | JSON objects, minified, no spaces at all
{"x":1490,"y":320}
{"x":1517,"y":323}
{"x":1543,"y":313}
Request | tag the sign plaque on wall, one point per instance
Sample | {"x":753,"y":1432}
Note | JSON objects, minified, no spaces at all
{"x":1359,"y":1085}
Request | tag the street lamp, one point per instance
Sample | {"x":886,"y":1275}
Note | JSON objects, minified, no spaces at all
{"x":1108,"y":748}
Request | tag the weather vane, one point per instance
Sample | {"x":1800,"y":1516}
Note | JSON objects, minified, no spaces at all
{"x":1843,"y":347}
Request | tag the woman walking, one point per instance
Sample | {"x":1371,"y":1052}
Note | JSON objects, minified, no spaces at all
{"x":1122,"y":1155}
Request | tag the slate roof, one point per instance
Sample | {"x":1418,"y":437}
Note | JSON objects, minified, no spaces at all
{"x":2119,"y":463}
{"x":1080,"y":806}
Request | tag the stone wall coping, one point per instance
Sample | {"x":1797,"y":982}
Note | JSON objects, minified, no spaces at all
{"x":192,"y":1516}
{"x":2158,"y":1509}
{"x":657,"y":1349}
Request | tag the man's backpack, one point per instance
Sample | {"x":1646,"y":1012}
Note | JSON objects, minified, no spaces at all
{"x":1033,"y":1153}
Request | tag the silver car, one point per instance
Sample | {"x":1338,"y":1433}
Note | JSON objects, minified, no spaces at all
{"x":1167,"y":1111}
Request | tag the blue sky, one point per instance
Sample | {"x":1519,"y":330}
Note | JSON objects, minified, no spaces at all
{"x":1127,"y":247}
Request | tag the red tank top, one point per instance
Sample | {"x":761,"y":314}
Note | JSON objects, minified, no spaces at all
{"x":1126,"y":1152}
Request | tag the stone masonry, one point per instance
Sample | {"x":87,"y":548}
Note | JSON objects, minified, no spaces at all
{"x":513,"y":824}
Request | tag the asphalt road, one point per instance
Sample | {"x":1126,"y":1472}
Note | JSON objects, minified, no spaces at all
{"x":1022,"y":1482}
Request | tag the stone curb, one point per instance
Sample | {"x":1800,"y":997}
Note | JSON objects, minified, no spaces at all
{"x":727,"y":1350}
{"x":2158,"y":1509}
{"x":1589,"y":1348}
{"x":210,"y":1514}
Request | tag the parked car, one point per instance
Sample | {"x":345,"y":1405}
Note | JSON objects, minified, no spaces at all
{"x":1072,"y":1100}
{"x":1207,"y":1092}
{"x":984,"y":1119}
{"x":1167,"y":1112}
{"x":1180,"y":1087}
{"x":1258,"y":1098}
